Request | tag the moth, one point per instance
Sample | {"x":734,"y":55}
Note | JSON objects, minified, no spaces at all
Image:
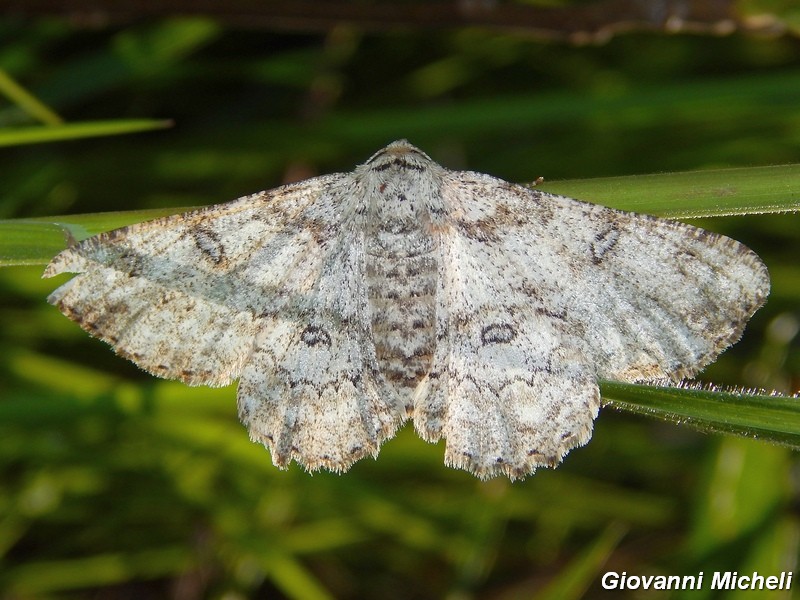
{"x":346,"y":304}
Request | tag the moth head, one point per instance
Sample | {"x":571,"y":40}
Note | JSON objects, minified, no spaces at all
{"x":398,"y":160}
{"x":399,"y":171}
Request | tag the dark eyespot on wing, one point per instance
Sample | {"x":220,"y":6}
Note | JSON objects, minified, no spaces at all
{"x":314,"y":335}
{"x":497,"y":333}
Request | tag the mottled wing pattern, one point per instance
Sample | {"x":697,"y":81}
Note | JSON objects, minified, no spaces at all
{"x":182,"y":296}
{"x":312,"y":390}
{"x":653,"y":298}
{"x":487,"y":309}
{"x":540,"y":295}
{"x":510,"y":388}
{"x":205,"y":297}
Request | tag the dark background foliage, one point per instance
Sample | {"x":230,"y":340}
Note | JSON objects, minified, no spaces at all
{"x":117,"y":485}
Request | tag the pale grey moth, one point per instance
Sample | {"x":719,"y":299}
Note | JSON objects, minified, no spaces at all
{"x":345,"y":304}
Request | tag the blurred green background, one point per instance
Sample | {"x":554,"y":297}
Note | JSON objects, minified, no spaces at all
{"x":117,"y":485}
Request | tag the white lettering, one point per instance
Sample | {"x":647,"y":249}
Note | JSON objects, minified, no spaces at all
{"x":731,"y":580}
{"x":757,"y":580}
{"x":610,"y":580}
{"x":662,"y":582}
{"x":689,"y":582}
{"x":613,"y":580}
{"x":722,"y":581}
{"x":646,"y":581}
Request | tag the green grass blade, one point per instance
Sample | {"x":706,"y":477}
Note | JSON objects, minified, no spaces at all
{"x":767,"y":417}
{"x":46,"y":577}
{"x":24,"y":242}
{"x":73,"y":131}
{"x":27,"y":101}
{"x":698,"y":100}
{"x":677,"y":195}
{"x":576,"y":578}
{"x":35,"y":241}
{"x":693,"y":194}
{"x":293,"y":579}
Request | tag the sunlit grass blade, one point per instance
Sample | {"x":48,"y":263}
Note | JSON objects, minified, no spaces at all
{"x":576,"y":578}
{"x":697,"y":100}
{"x":27,"y":101}
{"x":767,"y":417}
{"x":293,"y":578}
{"x":690,"y":194}
{"x":45,"y":577}
{"x":73,"y":131}
{"x":36,"y":241}
{"x":693,"y":194}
